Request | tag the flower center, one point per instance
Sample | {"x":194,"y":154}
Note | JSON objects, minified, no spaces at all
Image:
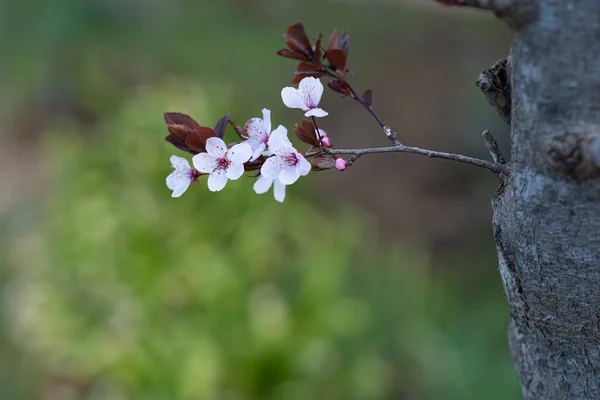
{"x":291,"y":159}
{"x":223,"y":163}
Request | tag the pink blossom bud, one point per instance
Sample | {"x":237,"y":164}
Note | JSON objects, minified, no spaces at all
{"x":327,"y":142}
{"x":340,"y":164}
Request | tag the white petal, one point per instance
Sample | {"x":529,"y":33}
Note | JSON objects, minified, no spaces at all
{"x":180,"y":163}
{"x":217,"y":180}
{"x":271,"y":168}
{"x":303,"y":167}
{"x":288,"y":175}
{"x":255,"y":129}
{"x":175,"y":178}
{"x":292,"y":98}
{"x":262,"y":184}
{"x":235,"y":170}
{"x":312,"y":90}
{"x":267,"y":120}
{"x":181,"y":188}
{"x":259,"y":150}
{"x":279,"y":191}
{"x":278,"y":139}
{"x":204,"y":162}
{"x":240,"y":153}
{"x":316,"y":112}
{"x":216,"y":147}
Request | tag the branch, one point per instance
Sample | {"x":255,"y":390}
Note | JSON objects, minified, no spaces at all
{"x":400,"y":148}
{"x":492,"y":145}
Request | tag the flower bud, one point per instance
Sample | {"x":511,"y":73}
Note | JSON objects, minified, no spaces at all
{"x":340,"y":164}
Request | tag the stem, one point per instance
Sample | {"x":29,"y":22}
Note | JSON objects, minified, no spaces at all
{"x":490,"y":166}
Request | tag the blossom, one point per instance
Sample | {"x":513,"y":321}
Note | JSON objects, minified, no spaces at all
{"x":325,"y":140}
{"x":222,"y":164}
{"x":306,"y":97}
{"x":257,"y":133}
{"x":341,"y":164}
{"x":179,"y":180}
{"x":286,"y":164}
{"x":263,"y":184}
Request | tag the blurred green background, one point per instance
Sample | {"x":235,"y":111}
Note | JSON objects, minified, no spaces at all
{"x":376,"y":283}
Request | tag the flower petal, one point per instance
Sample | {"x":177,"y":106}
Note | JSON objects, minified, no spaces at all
{"x":255,"y":129}
{"x":288,"y":175}
{"x":235,"y":170}
{"x":278,"y":139}
{"x":174,"y":179}
{"x":271,"y":168}
{"x":267,"y":120}
{"x":217,"y":180}
{"x":259,"y":150}
{"x":240,"y":153}
{"x":262,"y":184}
{"x":316,"y":112}
{"x":204,"y":163}
{"x":215,"y":147}
{"x":303,"y":167}
{"x":180,"y":163}
{"x":311,"y":90}
{"x":279,"y":191}
{"x":181,"y":188}
{"x":292,"y":98}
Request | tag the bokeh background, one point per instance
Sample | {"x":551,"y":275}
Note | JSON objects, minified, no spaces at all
{"x":376,"y":283}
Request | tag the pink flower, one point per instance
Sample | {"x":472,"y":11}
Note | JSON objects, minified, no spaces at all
{"x":326,"y":140}
{"x":257,"y":132}
{"x":179,"y":180}
{"x":220,"y":163}
{"x":286,"y":164}
{"x":341,"y":164}
{"x":306,"y":97}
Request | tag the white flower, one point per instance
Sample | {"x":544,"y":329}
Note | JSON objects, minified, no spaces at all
{"x":306,"y":97}
{"x":257,"y":133}
{"x":179,"y":180}
{"x":286,"y":164}
{"x":220,"y":163}
{"x":263,"y":184}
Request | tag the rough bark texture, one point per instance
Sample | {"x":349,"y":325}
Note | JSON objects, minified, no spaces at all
{"x":547,"y":214}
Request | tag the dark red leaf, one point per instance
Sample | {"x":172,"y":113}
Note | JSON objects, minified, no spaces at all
{"x":297,"y":40}
{"x":221,"y":125}
{"x":197,"y":139}
{"x":174,"y":118}
{"x":336,"y":58}
{"x":317,"y":48}
{"x":345,"y":43}
{"x":368,"y":97}
{"x":179,"y":130}
{"x":292,"y":54}
{"x":334,"y":41}
{"x":322,"y":162}
{"x":305,"y":131}
{"x":340,"y":87}
{"x":178,"y":142}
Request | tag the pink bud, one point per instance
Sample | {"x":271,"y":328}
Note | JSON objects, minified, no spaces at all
{"x":327,"y":142}
{"x":340,"y":164}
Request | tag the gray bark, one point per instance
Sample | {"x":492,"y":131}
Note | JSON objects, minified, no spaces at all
{"x":547,"y":212}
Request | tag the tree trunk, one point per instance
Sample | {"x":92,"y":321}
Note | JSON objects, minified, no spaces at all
{"x":547,"y":213}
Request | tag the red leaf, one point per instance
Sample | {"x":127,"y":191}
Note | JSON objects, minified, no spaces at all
{"x":368,"y":97}
{"x":336,"y":58}
{"x":174,"y":118}
{"x":345,"y":43}
{"x":317,"y":48}
{"x":221,"y":125}
{"x":287,"y":53}
{"x":334,"y":41}
{"x":305,"y":131}
{"x":297,"y":40}
{"x":178,"y":142}
{"x":197,"y":139}
{"x":340,"y":87}
{"x":322,"y":162}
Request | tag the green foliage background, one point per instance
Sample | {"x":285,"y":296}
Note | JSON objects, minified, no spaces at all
{"x":113,"y":290}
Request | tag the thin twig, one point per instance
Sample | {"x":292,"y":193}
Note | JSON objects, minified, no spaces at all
{"x":490,"y":166}
{"x":492,"y":145}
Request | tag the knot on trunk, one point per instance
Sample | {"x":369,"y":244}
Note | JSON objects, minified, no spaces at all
{"x":494,"y":82}
{"x":574,"y":155}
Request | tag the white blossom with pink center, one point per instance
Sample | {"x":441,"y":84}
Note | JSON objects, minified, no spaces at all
{"x":257,"y":132}
{"x":286,"y":164}
{"x":263,"y":184}
{"x":221,"y":163}
{"x":179,"y":180}
{"x":306,"y":97}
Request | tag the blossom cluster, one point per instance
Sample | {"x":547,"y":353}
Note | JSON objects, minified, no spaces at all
{"x":261,"y":148}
